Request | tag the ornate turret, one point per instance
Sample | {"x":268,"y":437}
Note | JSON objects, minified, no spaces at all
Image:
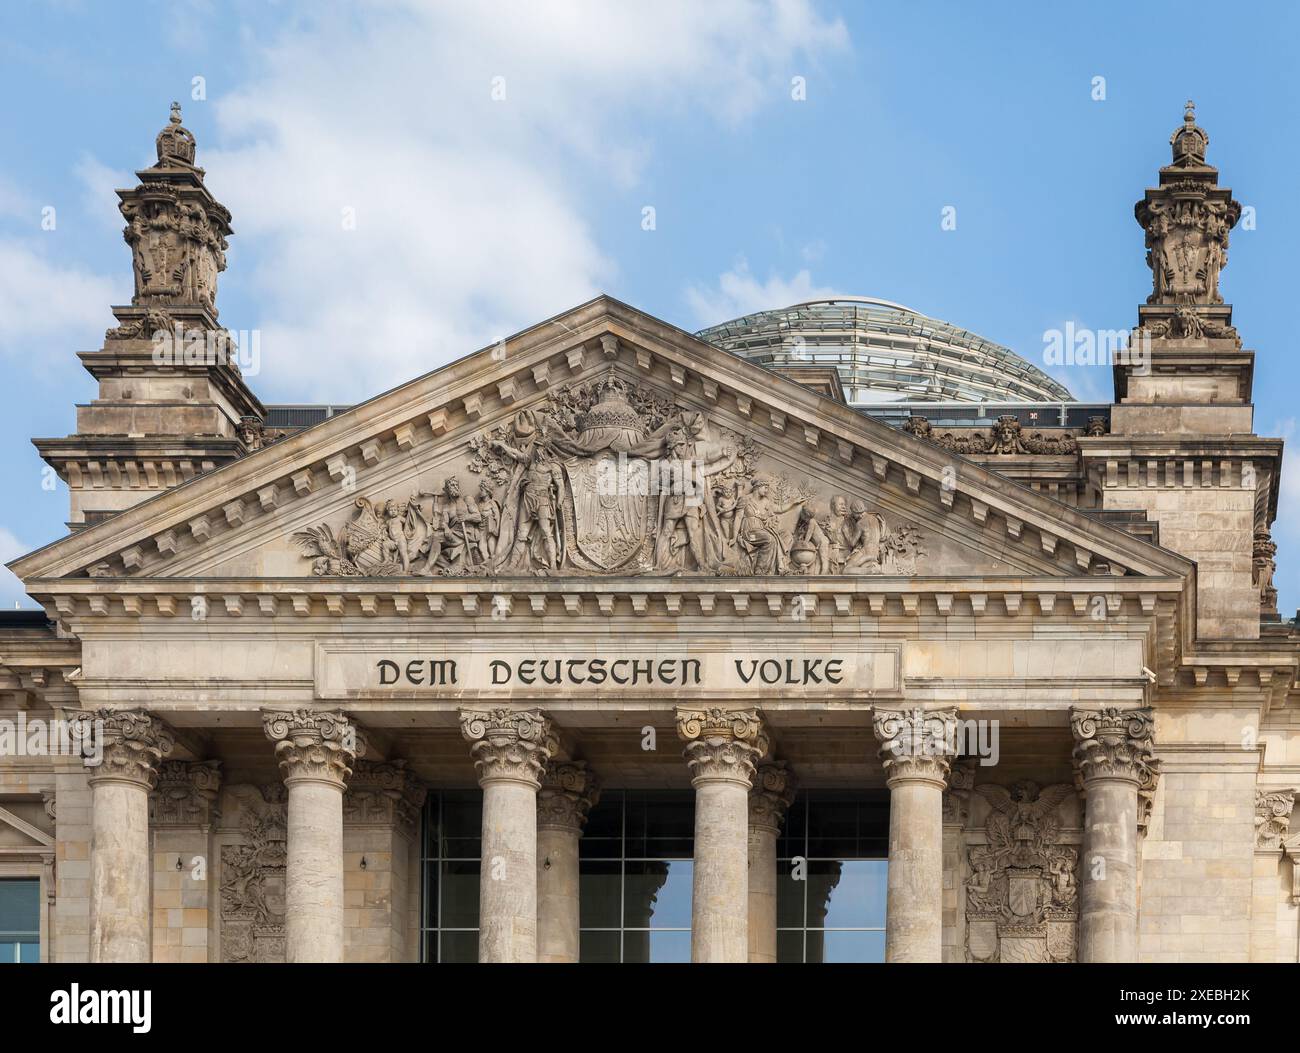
{"x":172,"y":400}
{"x":1181,"y":443}
{"x":1187,"y":219}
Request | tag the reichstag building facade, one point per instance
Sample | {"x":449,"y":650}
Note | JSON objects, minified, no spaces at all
{"x":834,"y":633}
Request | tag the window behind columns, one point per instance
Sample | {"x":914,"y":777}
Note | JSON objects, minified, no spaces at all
{"x":20,"y":920}
{"x":831,"y":906}
{"x":635,"y":877}
{"x":453,"y":821}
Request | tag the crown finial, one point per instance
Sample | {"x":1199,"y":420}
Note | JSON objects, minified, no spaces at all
{"x":175,"y":142}
{"x":1189,"y":112}
{"x":1189,"y":141}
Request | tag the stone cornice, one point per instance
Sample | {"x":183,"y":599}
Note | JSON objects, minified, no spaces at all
{"x":722,"y":744}
{"x":569,"y":790}
{"x":508,"y":745}
{"x":124,"y":745}
{"x":312,"y":745}
{"x":916,"y":745}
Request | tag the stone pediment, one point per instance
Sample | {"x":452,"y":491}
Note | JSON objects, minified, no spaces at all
{"x":602,"y":443}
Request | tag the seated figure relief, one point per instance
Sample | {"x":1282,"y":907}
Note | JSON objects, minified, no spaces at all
{"x":607,"y":478}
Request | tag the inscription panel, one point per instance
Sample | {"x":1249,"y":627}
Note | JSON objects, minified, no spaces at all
{"x":378,"y":668}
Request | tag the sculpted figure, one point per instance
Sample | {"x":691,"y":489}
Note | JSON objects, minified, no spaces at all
{"x":536,"y":535}
{"x":865,"y":535}
{"x":462,"y":524}
{"x":838,"y":527}
{"x":761,"y":536}
{"x":688,"y":523}
{"x":811,"y":550}
{"x":490,"y":511}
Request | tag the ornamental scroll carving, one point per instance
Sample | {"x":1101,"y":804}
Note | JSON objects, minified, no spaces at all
{"x":1273,"y":816}
{"x":1022,"y":892}
{"x":1004,"y":438}
{"x":608,"y":477}
{"x":252,"y":879}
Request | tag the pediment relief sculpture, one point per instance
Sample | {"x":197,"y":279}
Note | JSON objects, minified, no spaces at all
{"x":607,"y":477}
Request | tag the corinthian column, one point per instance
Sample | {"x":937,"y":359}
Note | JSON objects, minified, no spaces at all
{"x":316,"y":751}
{"x":722,"y":747}
{"x":773,"y":791}
{"x":510,"y":750}
{"x":916,"y":749}
{"x":122,"y":750}
{"x":1113,"y":753}
{"x":568,"y":791}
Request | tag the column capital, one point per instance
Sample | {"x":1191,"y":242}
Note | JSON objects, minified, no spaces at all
{"x":123,"y":745}
{"x":916,"y":745}
{"x":1273,"y":816}
{"x":1115,"y":743}
{"x":186,"y":794}
{"x":509,"y":745}
{"x":569,"y":790}
{"x":771,"y":796}
{"x":312,"y":745}
{"x":384,"y":793}
{"x":722,"y":744}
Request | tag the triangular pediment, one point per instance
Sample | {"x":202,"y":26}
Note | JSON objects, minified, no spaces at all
{"x":603,"y":442}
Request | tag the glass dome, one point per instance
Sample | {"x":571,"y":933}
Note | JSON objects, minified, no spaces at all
{"x":885,"y":352}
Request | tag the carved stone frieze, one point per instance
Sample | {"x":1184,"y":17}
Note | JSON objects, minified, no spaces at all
{"x":1265,"y":566}
{"x":312,"y":744}
{"x":186,"y":794}
{"x":252,"y":879}
{"x":1007,"y":436}
{"x":1273,"y":816}
{"x":723,"y":744}
{"x":1022,"y":892}
{"x":123,"y":744}
{"x":611,"y":478}
{"x":383,"y":793}
{"x":509,"y":744}
{"x":773,"y":790}
{"x":569,"y":790}
{"x":916,"y":743}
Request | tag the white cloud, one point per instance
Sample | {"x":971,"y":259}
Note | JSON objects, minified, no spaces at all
{"x":11,"y":589}
{"x":42,"y":302}
{"x":471,"y":219}
{"x":738,"y":293}
{"x":99,"y":182}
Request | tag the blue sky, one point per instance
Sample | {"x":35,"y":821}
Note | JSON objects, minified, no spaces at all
{"x":476,"y":216}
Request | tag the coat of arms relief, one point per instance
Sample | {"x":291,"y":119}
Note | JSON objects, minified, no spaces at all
{"x":607,"y":477}
{"x":1022,"y":889}
{"x":252,"y":876}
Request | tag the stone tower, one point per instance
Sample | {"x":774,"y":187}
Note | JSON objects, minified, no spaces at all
{"x":172,"y":400}
{"x":1182,"y":445}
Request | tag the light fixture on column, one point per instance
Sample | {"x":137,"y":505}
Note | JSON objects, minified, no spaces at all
{"x":546,"y":863}
{"x":363,"y":862}
{"x":179,"y":864}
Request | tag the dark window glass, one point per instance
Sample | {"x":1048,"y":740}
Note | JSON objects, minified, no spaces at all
{"x":600,"y":947}
{"x":458,"y":947}
{"x":600,"y":894}
{"x":20,"y":920}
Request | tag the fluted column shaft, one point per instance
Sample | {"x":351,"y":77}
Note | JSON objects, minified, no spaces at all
{"x":510,"y":750}
{"x":568,"y":791}
{"x":917,"y":747}
{"x":1113,"y":753}
{"x":769,"y":800}
{"x":722,"y":747}
{"x":316,"y":751}
{"x":122,"y":750}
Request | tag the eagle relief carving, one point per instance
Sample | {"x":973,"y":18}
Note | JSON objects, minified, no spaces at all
{"x":1022,"y":891}
{"x":608,"y":478}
